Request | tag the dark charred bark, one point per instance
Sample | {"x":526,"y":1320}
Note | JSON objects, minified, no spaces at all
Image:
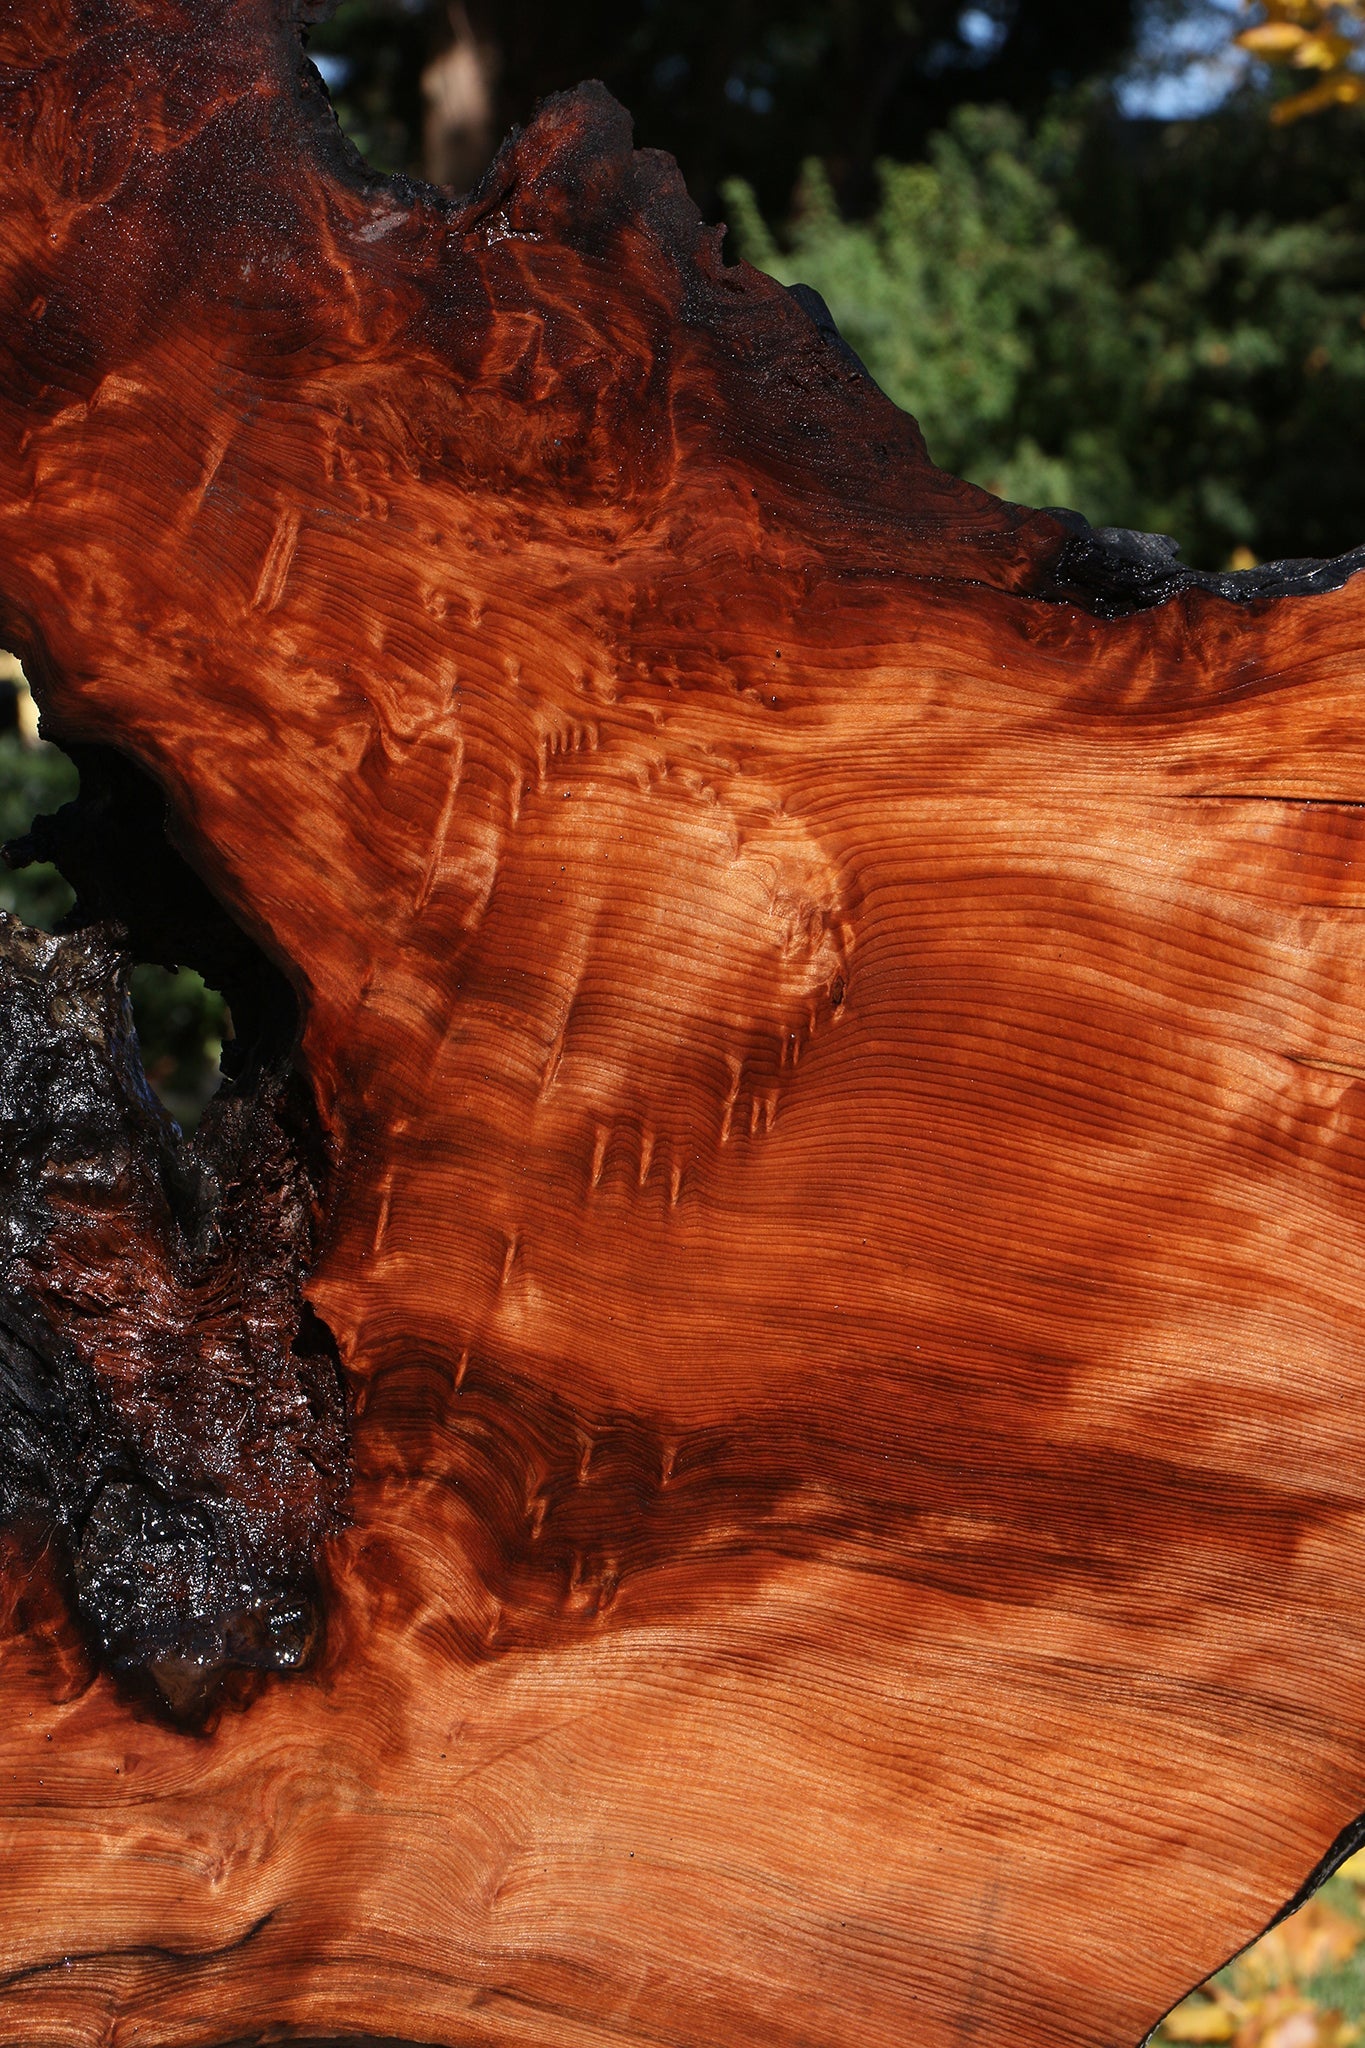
{"x":171,"y":1411}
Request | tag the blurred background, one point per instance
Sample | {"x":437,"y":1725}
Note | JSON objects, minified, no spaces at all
{"x":1110,"y":253}
{"x":181,"y":1023}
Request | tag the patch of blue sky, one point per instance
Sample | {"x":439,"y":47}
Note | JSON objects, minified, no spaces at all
{"x":335,"y":70}
{"x":981,"y":31}
{"x":1187,"y":63}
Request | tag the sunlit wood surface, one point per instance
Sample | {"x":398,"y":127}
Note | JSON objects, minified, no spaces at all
{"x":843,"y":1079}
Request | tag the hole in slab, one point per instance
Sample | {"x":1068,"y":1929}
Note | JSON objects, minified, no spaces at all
{"x":182,"y":1022}
{"x":174,"y":1423}
{"x":35,"y":777}
{"x":181,"y":1025}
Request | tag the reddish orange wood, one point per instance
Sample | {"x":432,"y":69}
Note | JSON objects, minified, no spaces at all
{"x":842,"y":1076}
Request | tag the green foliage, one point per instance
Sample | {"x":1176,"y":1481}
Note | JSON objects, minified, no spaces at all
{"x":978,"y":307}
{"x":180,"y":1022}
{"x":32,"y":780}
{"x":1213,"y":394}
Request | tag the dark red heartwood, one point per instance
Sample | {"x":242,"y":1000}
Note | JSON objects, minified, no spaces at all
{"x":746,"y":1424}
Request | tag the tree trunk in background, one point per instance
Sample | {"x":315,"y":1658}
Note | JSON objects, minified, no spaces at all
{"x":458,"y":135}
{"x":746,"y":1422}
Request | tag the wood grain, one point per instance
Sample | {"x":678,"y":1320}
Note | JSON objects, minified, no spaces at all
{"x":840,"y":1066}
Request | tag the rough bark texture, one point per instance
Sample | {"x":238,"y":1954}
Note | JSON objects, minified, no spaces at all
{"x":819,"y":1107}
{"x":169,"y":1410}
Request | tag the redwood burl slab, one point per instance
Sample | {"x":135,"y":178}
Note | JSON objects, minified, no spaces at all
{"x":799,"y":1030}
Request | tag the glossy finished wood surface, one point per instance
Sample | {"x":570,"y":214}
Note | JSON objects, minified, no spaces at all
{"x":842,"y":1072}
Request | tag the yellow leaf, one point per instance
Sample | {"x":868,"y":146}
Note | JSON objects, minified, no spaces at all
{"x":1198,"y":2020}
{"x":1344,"y":91}
{"x":1272,"y":38}
{"x":1321,"y":52}
{"x":1286,"y":2019}
{"x":1317,"y":1937}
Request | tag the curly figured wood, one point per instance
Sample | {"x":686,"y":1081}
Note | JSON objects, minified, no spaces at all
{"x":839,"y":1070}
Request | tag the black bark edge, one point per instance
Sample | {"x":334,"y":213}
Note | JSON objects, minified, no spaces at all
{"x":1114,"y":572}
